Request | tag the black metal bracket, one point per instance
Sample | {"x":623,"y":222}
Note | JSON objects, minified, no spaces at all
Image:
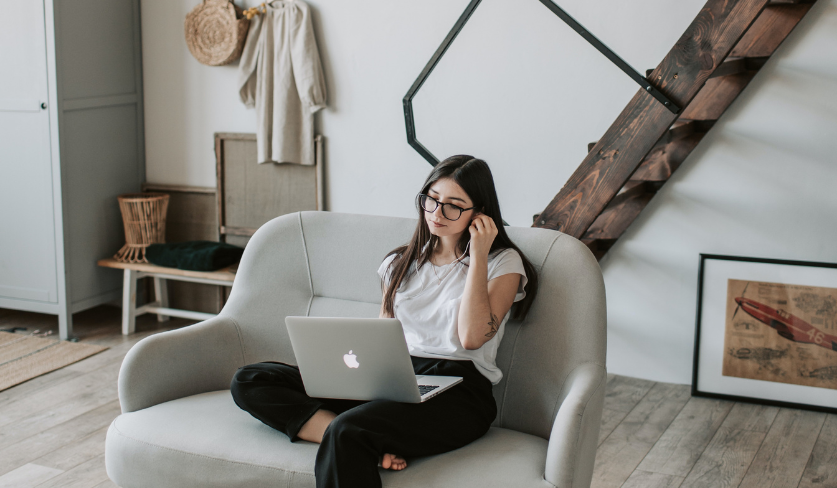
{"x":457,"y":27}
{"x":612,"y":56}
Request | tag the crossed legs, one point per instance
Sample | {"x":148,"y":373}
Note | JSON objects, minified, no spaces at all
{"x":354,"y":436}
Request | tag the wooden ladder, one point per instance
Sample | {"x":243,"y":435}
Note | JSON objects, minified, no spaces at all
{"x":709,"y":66}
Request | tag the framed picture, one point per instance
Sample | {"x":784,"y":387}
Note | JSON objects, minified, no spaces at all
{"x":766,"y":332}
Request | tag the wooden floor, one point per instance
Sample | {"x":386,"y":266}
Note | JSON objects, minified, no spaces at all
{"x":656,"y":435}
{"x":653,"y":435}
{"x":52,"y":428}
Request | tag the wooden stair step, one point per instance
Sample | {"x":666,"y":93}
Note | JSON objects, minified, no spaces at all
{"x":621,"y":212}
{"x":716,"y":96}
{"x":671,"y":150}
{"x":684,"y":127}
{"x":789,"y":2}
{"x":734,"y":66}
{"x":598,"y":247}
{"x":680,"y":129}
{"x":663,"y":160}
{"x":770,"y":29}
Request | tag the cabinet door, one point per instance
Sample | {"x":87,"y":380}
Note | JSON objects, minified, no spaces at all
{"x":27,"y":231}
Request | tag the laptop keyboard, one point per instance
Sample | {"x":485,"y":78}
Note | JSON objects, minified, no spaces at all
{"x":426,"y":389}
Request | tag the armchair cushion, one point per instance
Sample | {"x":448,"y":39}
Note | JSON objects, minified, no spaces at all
{"x":208,"y":440}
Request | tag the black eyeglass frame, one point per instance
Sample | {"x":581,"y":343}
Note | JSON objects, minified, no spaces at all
{"x":418,"y":201}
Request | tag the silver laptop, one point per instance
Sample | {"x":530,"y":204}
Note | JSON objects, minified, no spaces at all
{"x":359,"y":359}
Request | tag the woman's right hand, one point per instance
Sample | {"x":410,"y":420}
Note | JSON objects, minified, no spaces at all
{"x":483,"y":231}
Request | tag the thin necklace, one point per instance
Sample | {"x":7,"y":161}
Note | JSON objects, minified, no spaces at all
{"x":447,"y":272}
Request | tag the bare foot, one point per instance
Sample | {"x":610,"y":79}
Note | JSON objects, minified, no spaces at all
{"x":316,"y":426}
{"x":393,"y":462}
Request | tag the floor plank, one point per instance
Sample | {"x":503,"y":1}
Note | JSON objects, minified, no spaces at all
{"x":785,"y":451}
{"x":622,"y":393}
{"x":821,"y":470}
{"x":16,"y":392}
{"x":647,"y":479}
{"x":74,"y":454}
{"x":631,"y":440}
{"x":37,"y":447}
{"x":27,"y":476}
{"x":725,"y":460}
{"x":681,"y":445}
{"x":56,"y":394}
{"x":98,"y":389}
{"x":85,"y":475}
{"x":107,"y":484}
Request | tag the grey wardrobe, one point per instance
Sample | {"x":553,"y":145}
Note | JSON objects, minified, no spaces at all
{"x":71,"y":140}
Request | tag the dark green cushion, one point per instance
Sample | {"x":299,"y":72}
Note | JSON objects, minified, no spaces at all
{"x":194,"y":255}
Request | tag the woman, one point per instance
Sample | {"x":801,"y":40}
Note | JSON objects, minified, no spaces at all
{"x":452,"y":287}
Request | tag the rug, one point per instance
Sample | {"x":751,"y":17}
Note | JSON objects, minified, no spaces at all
{"x":23,"y":357}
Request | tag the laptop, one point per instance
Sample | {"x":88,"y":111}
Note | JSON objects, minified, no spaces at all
{"x":359,"y":359}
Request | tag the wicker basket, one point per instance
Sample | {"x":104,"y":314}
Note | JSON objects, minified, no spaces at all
{"x":144,"y":216}
{"x":216,"y":31}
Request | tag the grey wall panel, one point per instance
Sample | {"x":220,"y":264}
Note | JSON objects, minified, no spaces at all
{"x":99,"y":159}
{"x":97,"y":47}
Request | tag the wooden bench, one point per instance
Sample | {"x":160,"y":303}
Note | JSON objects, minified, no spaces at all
{"x":160,"y":305}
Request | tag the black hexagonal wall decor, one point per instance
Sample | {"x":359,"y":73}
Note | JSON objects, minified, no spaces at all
{"x":460,"y":23}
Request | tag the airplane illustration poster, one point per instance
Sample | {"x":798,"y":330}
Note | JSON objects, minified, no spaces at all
{"x":781,"y":332}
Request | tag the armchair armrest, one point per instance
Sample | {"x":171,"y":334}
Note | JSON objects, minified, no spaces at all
{"x":178,"y":363}
{"x":571,"y":451}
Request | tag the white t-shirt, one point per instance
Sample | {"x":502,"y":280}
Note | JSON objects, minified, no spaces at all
{"x":429,"y":310}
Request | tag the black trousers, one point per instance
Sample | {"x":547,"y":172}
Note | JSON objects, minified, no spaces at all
{"x":363,"y":431}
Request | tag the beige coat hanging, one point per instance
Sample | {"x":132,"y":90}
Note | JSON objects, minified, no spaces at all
{"x":280,"y":74}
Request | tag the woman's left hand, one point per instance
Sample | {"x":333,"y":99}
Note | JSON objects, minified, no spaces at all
{"x":483,"y":231}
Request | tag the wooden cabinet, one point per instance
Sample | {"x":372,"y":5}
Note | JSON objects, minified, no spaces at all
{"x":71,"y":140}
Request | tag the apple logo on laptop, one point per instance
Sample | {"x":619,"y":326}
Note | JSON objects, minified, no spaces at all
{"x":351,"y":360}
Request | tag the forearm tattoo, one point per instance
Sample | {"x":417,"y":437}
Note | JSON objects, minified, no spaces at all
{"x":494,"y":326}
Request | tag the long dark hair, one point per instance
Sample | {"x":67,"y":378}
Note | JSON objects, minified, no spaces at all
{"x":474,"y":176}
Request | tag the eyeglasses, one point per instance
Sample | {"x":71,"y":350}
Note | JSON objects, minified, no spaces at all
{"x":449,"y":210}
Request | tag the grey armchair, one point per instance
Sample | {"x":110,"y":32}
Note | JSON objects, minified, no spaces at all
{"x":180,"y":427}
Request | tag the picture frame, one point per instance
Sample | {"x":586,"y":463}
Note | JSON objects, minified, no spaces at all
{"x":766,"y":332}
{"x":249,"y":194}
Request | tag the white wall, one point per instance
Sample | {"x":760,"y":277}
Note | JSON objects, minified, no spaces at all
{"x":521,"y":90}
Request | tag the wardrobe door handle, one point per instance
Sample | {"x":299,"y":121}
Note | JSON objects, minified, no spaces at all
{"x":43,"y":105}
